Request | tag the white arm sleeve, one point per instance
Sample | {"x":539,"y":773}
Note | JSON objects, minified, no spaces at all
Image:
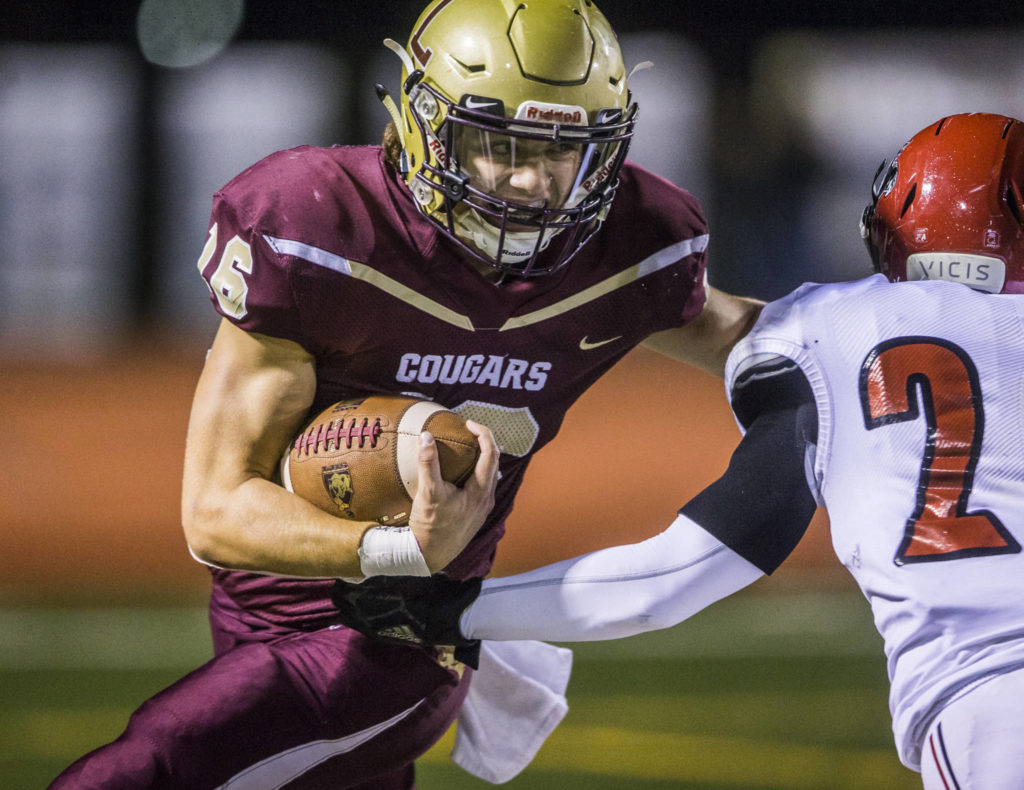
{"x":614,"y":592}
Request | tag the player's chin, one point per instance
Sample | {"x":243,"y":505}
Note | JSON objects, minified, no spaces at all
{"x":522,"y":227}
{"x":518,"y":222}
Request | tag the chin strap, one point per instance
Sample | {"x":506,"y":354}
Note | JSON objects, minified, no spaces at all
{"x":399,"y":50}
{"x":389,"y":105}
{"x":382,"y":92}
{"x":518,"y":245}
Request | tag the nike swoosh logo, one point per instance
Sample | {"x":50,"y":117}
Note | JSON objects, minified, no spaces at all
{"x":586,"y":345}
{"x":473,"y":104}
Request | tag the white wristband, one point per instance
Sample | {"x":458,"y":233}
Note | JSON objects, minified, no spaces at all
{"x":391,"y":551}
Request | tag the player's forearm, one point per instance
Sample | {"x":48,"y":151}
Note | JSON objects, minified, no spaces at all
{"x":261,"y":527}
{"x":707,"y":340}
{"x":612,"y":593}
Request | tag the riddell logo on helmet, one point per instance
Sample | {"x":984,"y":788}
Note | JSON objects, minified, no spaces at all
{"x":556,"y":116}
{"x":551,"y":113}
{"x":437,"y":149}
{"x":598,"y":178}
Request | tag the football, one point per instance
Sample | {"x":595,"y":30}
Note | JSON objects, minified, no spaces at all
{"x":359,"y":459}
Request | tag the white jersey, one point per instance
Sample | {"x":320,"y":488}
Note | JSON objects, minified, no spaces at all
{"x":920,"y":464}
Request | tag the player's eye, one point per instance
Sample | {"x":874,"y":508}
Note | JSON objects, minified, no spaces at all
{"x":561,"y":150}
{"x":501,"y":150}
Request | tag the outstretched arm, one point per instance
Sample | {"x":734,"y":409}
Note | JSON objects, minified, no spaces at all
{"x":612,"y":593}
{"x":736,"y":530}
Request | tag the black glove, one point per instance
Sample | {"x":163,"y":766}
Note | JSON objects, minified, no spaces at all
{"x":410,"y":610}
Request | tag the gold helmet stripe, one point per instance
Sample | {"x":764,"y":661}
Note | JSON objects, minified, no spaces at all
{"x":423,"y":55}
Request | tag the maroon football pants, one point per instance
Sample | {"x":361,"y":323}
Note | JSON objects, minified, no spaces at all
{"x":303,"y":711}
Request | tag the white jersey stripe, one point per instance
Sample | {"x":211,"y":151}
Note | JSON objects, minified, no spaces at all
{"x":308,"y":252}
{"x":360,"y":271}
{"x":280,"y":769}
{"x":671,"y":254}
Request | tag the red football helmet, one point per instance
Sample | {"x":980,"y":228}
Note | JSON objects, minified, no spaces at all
{"x":950,"y":205}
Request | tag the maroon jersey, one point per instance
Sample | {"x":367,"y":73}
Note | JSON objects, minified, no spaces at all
{"x":325,"y":247}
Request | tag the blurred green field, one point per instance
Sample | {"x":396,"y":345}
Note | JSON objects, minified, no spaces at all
{"x":765,"y":690}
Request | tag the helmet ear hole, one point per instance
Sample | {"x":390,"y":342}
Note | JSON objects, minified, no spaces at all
{"x":910,"y":199}
{"x":1013,"y":202}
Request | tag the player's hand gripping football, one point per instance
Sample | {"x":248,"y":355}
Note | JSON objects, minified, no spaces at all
{"x":445,"y":517}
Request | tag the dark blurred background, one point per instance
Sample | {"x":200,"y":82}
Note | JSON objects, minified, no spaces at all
{"x":775,"y":114}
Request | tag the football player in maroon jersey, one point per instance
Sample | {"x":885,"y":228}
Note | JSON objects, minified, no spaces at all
{"x":497,"y":254}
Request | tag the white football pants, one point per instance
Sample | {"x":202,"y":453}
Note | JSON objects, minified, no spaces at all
{"x":975,"y":743}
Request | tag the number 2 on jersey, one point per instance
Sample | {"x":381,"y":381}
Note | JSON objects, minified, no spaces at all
{"x":898,"y":375}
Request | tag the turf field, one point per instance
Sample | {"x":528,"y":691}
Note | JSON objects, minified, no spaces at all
{"x":782,"y":690}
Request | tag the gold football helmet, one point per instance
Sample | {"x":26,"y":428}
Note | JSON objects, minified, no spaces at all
{"x":515,"y":118}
